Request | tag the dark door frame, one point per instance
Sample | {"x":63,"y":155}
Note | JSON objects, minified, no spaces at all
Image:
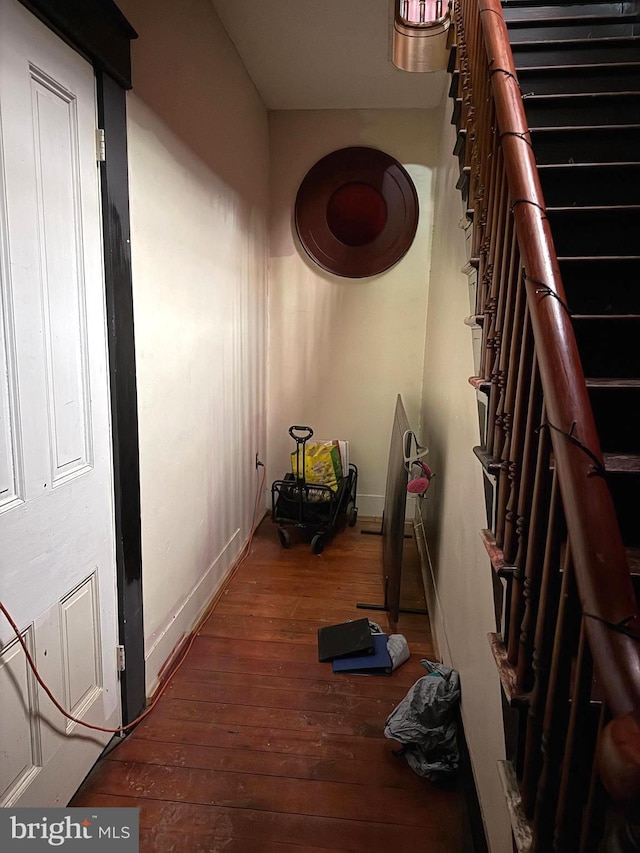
{"x":99,"y":31}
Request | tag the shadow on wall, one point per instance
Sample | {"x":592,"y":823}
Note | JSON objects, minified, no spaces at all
{"x":186,"y":69}
{"x":430,"y":507}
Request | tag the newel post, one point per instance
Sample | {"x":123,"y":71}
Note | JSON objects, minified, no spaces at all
{"x":618,"y":759}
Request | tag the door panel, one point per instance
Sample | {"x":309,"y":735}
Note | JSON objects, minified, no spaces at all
{"x":9,"y":454}
{"x":22,"y":753}
{"x":57,"y":563}
{"x":59,"y":198}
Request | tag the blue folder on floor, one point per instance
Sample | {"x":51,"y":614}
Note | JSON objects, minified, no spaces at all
{"x":378,"y":663}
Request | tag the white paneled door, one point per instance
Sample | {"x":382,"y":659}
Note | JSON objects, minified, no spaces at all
{"x":57,"y":564}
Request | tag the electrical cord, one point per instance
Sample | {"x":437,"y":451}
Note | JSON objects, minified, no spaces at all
{"x":621,"y":627}
{"x":546,"y":290}
{"x":597,"y":468}
{"x":244,"y":553}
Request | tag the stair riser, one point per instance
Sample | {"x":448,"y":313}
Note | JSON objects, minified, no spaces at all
{"x":625,"y":490}
{"x":617,"y":416}
{"x":528,"y":11}
{"x":583,"y":186}
{"x":568,"y":30}
{"x":609,"y":145}
{"x":609,"y":347}
{"x":594,"y":287}
{"x":582,"y":232}
{"x":580,"y":81}
{"x":454,"y":87}
{"x":581,"y":54}
{"x":587,"y":112}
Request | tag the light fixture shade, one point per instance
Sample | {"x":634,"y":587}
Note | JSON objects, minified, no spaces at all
{"x":420,"y":35}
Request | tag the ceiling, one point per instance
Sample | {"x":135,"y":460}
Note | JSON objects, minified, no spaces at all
{"x":324,"y":54}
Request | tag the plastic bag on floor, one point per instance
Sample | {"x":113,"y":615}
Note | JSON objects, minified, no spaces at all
{"x":424,"y":723}
{"x":397,"y":646}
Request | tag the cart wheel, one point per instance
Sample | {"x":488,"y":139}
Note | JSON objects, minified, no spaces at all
{"x":352,"y":515}
{"x":317,"y":543}
{"x":283,"y":536}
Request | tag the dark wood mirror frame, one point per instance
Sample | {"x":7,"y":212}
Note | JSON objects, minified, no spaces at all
{"x":380,"y":240}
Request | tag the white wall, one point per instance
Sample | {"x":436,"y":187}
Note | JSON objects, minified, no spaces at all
{"x":198,"y":160}
{"x":340,"y":349}
{"x":461,"y":603}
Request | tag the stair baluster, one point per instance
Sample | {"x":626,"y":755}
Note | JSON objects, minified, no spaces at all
{"x":568,"y":651}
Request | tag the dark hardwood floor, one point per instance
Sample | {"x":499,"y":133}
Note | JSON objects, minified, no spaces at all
{"x":255,"y":746}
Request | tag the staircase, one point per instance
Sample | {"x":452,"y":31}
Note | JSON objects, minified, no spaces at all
{"x":578,"y":70}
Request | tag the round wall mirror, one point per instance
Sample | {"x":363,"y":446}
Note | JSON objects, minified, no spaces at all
{"x":356,"y":212}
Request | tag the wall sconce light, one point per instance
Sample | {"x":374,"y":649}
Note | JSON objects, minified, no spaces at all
{"x":420,"y":35}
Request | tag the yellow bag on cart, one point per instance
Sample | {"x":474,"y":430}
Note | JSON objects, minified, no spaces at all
{"x":322,"y":465}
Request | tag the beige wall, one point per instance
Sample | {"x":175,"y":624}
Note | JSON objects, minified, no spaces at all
{"x":198,"y":159}
{"x":460,"y":594}
{"x":340,"y":350}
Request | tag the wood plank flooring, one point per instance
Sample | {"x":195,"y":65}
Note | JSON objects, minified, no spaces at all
{"x":257,"y":748}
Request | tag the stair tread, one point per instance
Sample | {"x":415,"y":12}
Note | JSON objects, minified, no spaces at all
{"x":617,"y":463}
{"x":626,"y":17}
{"x":461,"y":139}
{"x":605,"y":41}
{"x":633,"y":559}
{"x":491,"y":464}
{"x":572,"y":20}
{"x":611,"y":382}
{"x":598,"y":258}
{"x":589,"y":259}
{"x":626,"y":208}
{"x":576,"y":96}
{"x":618,"y":164}
{"x":570,"y":33}
{"x":579,"y":67}
{"x":522,"y":4}
{"x":499,"y":565}
{"x":583,"y":127}
{"x":516,"y":696}
{"x":606,"y":316}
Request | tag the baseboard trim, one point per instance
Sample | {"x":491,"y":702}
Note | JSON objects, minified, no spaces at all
{"x":478,"y":838}
{"x":172,"y":637}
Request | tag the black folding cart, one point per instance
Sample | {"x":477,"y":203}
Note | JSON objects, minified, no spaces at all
{"x":311,"y":506}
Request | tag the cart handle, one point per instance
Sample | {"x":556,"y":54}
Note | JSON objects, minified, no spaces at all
{"x":306,"y":431}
